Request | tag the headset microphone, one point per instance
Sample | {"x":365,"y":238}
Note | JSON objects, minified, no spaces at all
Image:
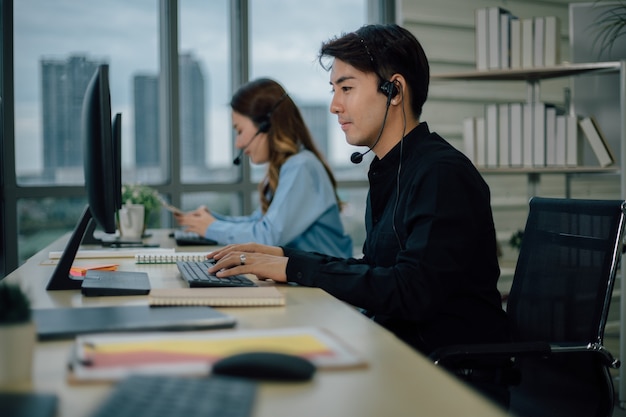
{"x":390,"y":90}
{"x":264,"y":127}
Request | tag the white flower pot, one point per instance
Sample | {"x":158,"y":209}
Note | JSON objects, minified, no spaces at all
{"x":17,"y":346}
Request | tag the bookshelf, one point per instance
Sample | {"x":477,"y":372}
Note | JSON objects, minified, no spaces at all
{"x":533,"y":77}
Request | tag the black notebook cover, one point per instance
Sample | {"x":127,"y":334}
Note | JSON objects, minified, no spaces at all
{"x":29,"y":404}
{"x":65,"y":323}
{"x":103,"y":283}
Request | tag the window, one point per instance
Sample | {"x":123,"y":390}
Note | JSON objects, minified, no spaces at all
{"x":56,"y":47}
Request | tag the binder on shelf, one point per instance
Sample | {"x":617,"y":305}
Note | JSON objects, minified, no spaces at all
{"x":539,"y":36}
{"x":481,"y":143}
{"x":494,"y":35}
{"x":527,"y":42}
{"x":539,"y":134}
{"x":516,"y":129}
{"x":597,"y":141}
{"x":504,"y":135}
{"x":560,"y":141}
{"x":572,"y":139}
{"x":482,"y":59}
{"x":505,"y":39}
{"x":552,"y":41}
{"x":469,"y":138}
{"x":516,"y":43}
{"x":550,"y":135}
{"x":491,"y":131}
{"x":527,"y":138}
{"x":262,"y":296}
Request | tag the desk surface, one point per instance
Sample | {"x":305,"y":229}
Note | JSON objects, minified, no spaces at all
{"x":397,"y":381}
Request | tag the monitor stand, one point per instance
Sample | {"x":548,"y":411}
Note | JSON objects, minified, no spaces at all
{"x":61,"y":278}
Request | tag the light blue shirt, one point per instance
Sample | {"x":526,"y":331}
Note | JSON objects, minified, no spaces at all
{"x":303,"y":214}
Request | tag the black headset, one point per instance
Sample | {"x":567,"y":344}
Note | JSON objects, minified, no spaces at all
{"x":389,"y":89}
{"x":264,"y":126}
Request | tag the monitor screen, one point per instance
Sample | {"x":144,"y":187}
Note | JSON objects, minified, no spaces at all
{"x":102,"y":167}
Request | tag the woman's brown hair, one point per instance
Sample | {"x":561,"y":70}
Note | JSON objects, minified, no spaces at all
{"x":268,"y":105}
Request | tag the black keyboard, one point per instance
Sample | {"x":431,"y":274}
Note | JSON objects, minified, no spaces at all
{"x":184,"y":238}
{"x":172,"y":396}
{"x":197,"y":275}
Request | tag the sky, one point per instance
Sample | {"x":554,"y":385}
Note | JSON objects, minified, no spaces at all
{"x":285,"y":37}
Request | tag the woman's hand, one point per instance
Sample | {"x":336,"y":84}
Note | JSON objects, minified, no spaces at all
{"x":196,"y":221}
{"x":266,"y":262}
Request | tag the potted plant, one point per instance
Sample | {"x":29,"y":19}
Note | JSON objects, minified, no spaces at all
{"x":141,"y":194}
{"x":17,"y":336}
{"x":611,"y":24}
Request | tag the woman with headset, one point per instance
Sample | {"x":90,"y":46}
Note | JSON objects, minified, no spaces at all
{"x":299,"y":206}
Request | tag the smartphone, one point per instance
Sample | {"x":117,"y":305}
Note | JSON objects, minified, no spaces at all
{"x":167,"y":206}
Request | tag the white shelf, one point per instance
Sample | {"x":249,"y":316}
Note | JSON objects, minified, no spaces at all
{"x":531,"y":74}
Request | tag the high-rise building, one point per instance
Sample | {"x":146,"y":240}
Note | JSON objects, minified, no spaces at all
{"x":192,"y":116}
{"x":63,"y":88}
{"x":316,"y":118}
{"x":192,"y":111}
{"x":146,"y":109}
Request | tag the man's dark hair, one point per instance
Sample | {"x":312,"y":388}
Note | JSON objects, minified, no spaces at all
{"x":384,"y":50}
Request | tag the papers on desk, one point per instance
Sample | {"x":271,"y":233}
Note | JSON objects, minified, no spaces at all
{"x":113,"y":253}
{"x":109,"y":357}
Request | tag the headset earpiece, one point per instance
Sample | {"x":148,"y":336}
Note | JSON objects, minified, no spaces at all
{"x":264,"y":126}
{"x":389,"y":89}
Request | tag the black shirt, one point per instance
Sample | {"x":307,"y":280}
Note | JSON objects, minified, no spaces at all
{"x":430,"y":266}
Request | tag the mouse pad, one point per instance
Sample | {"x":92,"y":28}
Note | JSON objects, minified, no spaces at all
{"x":65,"y":323}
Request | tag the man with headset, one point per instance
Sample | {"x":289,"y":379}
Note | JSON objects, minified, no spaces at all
{"x":430,"y":267}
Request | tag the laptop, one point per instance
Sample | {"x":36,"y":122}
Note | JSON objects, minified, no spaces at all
{"x":66,"y":323}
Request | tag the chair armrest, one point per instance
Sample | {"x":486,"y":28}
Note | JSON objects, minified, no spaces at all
{"x":453,"y":356}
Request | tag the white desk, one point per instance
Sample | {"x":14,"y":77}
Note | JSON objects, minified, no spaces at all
{"x":397,"y":382}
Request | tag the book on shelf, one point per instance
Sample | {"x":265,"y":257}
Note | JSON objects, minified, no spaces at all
{"x":550,"y":119}
{"x":495,"y":33}
{"x":261,"y":296}
{"x":560,"y":140}
{"x":515,"y":35}
{"x":469,"y":138}
{"x":527,"y":42}
{"x":539,"y":134}
{"x":596,"y":139}
{"x":504,"y":135}
{"x":110,"y":357}
{"x":516,"y":112}
{"x":527,"y":138}
{"x":552,"y":41}
{"x":505,"y":39}
{"x":169,"y":258}
{"x":539,"y":36}
{"x":482,"y":48}
{"x":491,"y":132}
{"x":481,"y":143}
{"x":573,"y":147}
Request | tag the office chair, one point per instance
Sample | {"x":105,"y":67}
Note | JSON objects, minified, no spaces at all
{"x":556,"y":364}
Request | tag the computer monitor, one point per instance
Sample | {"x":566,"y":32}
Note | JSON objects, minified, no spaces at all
{"x":102,"y":167}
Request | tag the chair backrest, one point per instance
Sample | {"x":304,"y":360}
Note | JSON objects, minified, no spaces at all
{"x":566,"y":269}
{"x":561,"y":294}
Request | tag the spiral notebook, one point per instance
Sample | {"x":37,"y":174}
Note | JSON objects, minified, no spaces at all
{"x":169,"y":258}
{"x":217,"y":297}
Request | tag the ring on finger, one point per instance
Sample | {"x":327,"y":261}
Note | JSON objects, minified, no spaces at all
{"x":242,"y":258}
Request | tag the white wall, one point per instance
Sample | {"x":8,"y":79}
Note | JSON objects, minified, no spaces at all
{"x":446,"y":30}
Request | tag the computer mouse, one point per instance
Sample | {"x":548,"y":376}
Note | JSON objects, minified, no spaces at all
{"x":269,"y":366}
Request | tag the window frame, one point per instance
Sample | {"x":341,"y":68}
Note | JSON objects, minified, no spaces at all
{"x":378,"y":11}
